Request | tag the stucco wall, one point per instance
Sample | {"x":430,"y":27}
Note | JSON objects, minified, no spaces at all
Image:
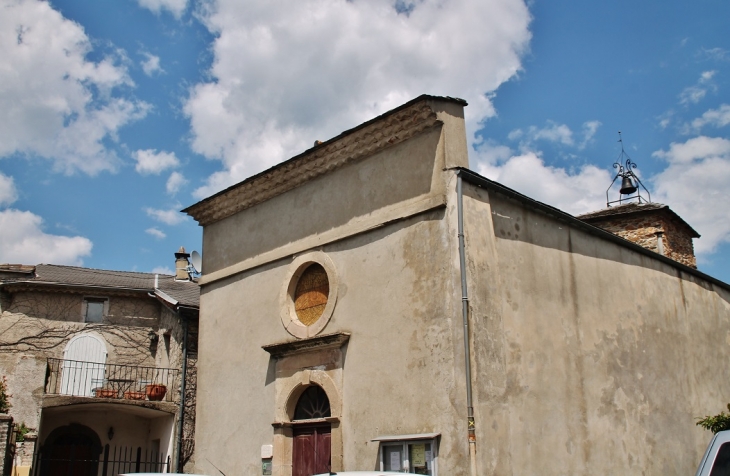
{"x":606,"y":356}
{"x":394,"y":300}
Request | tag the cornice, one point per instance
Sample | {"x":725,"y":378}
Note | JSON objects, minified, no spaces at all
{"x":326,"y":341}
{"x":385,"y":131}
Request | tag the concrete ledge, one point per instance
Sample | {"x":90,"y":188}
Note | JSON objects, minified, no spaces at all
{"x":51,"y":401}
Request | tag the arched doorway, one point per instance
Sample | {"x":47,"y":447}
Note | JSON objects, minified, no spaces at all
{"x":312,"y":446}
{"x":83,"y":365}
{"x":71,"y":450}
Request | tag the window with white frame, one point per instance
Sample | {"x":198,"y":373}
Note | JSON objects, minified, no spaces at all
{"x":409,"y":453}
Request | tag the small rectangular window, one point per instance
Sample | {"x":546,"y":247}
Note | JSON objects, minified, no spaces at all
{"x":94,"y":309}
{"x":409,"y":453}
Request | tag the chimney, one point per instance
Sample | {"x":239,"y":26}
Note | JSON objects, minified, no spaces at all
{"x":181,"y":265}
{"x":651,"y":225}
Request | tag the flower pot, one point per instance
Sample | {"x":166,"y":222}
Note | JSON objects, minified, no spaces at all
{"x":134,"y":395}
{"x":105,"y":393}
{"x":155,"y":392}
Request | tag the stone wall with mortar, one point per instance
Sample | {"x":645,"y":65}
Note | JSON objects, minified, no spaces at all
{"x":38,"y":325}
{"x":642,"y":229}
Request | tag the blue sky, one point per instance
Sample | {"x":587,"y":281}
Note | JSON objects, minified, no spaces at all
{"x":114,"y":115}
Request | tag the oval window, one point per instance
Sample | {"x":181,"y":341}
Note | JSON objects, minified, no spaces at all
{"x":311,"y":294}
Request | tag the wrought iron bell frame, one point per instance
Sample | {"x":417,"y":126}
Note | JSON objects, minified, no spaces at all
{"x":625,"y":167}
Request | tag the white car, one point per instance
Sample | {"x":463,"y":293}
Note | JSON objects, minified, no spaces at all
{"x":717,"y":456}
{"x":364,"y":473}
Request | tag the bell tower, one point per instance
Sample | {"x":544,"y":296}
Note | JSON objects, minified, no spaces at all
{"x":636,"y":218}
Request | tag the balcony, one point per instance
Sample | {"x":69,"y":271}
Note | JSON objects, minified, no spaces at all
{"x":111,"y":381}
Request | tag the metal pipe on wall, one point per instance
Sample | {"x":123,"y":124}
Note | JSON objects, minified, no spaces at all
{"x":465,"y":319}
{"x":181,"y":423}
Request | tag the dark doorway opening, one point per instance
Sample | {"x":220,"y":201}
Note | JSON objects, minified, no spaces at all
{"x":71,"y":451}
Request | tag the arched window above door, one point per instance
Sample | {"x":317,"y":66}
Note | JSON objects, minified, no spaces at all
{"x":312,"y":404}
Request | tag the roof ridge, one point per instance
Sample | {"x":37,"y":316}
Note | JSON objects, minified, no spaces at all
{"x":108,"y":271}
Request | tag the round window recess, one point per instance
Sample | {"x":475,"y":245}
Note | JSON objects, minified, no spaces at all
{"x":309,"y":295}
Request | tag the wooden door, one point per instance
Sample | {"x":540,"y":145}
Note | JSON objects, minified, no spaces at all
{"x":312,"y":450}
{"x":83,"y":365}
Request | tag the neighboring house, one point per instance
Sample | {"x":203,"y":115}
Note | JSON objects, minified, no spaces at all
{"x":338,"y":287}
{"x":94,"y":360}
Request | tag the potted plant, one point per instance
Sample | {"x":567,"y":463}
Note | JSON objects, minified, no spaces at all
{"x":105,"y":393}
{"x":134,"y":395}
{"x":155,"y":391}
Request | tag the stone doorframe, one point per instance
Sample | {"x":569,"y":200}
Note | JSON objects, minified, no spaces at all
{"x":286,"y":401}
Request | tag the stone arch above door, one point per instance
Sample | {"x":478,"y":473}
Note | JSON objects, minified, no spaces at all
{"x":288,"y":393}
{"x":287,"y":400}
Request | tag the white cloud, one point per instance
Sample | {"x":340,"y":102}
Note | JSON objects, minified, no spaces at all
{"x":717,"y":54}
{"x":719,"y":117}
{"x":695,"y":186}
{"x":552,"y":132}
{"x":697,"y":92}
{"x":286,"y":73}
{"x":589,"y":131}
{"x":163,"y":270}
{"x":22,"y":240}
{"x":149,"y":161}
{"x":171,"y":216}
{"x":54,"y":103}
{"x":175,"y":7}
{"x":575,"y":191}
{"x":157,"y":233}
{"x":175,"y":182}
{"x":8,"y":193}
{"x":151,"y":64}
{"x":695,"y":148}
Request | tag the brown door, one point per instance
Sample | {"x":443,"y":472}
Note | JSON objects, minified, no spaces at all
{"x":312,"y":450}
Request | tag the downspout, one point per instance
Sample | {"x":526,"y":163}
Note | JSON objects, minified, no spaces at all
{"x":181,"y":422}
{"x":465,"y":319}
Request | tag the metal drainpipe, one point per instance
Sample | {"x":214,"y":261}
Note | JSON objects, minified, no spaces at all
{"x":182,"y":392}
{"x":465,"y":318}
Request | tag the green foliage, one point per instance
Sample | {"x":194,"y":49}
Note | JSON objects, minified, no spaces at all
{"x":716,"y":423}
{"x":4,"y":396}
{"x":20,"y":431}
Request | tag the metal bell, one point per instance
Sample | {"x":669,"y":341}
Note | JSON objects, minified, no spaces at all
{"x":627,"y":186}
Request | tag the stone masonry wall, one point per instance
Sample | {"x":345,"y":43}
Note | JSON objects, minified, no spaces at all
{"x":643,"y":229}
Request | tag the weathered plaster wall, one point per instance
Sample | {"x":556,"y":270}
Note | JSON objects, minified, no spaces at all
{"x":382,"y":223}
{"x":591,"y":358}
{"x":398,"y":373}
{"x":317,"y":205}
{"x":132,"y":427}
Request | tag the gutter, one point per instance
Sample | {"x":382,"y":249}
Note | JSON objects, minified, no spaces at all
{"x":465,"y":320}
